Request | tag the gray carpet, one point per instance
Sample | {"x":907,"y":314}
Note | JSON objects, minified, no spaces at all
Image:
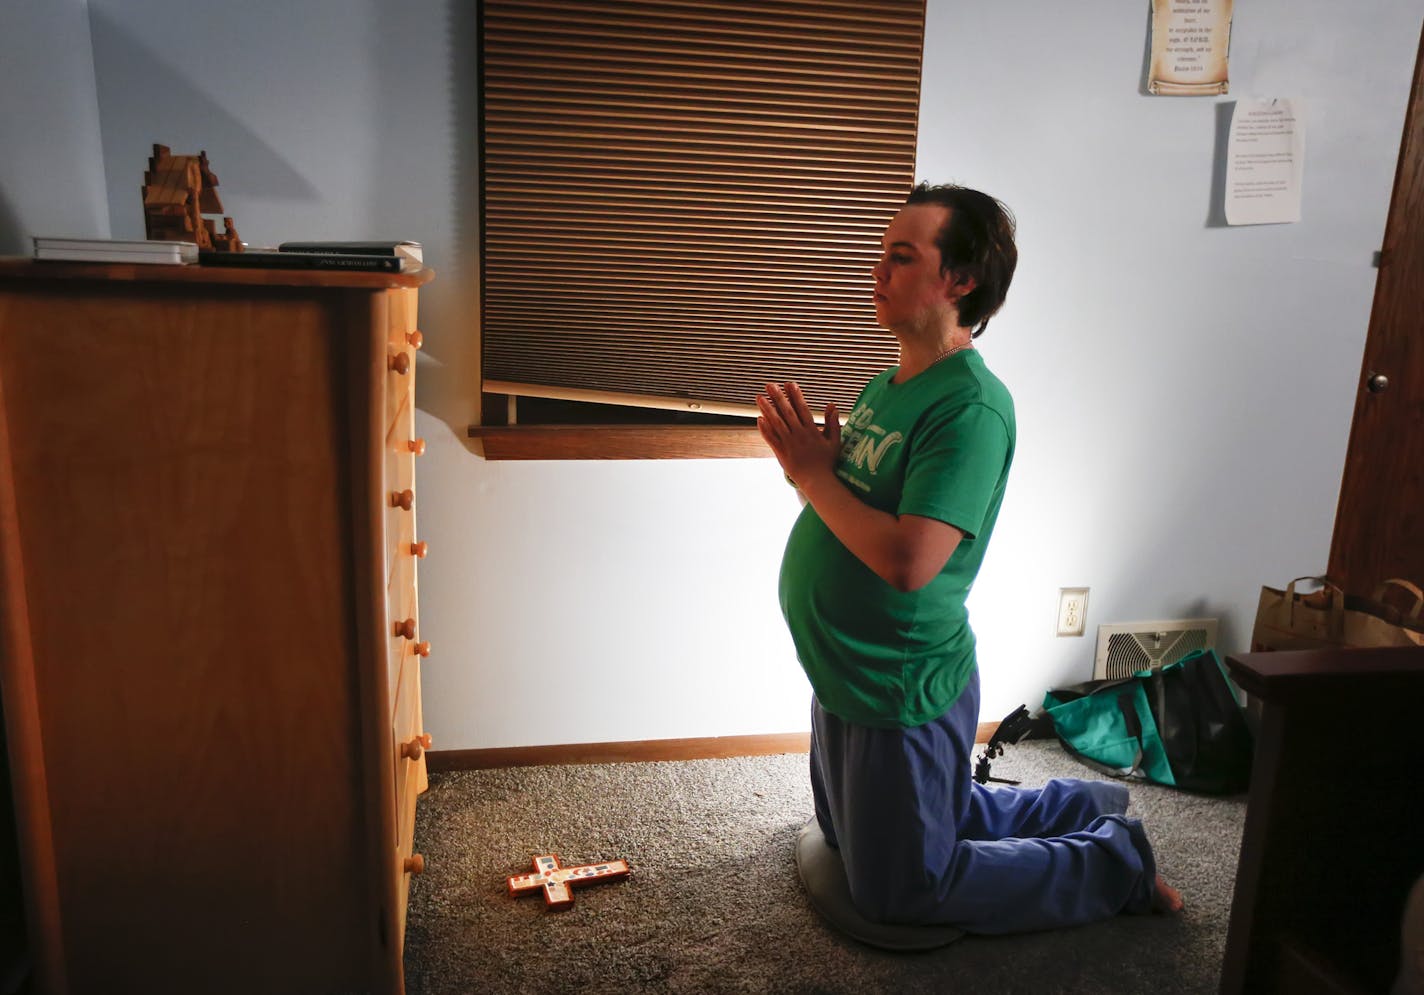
{"x":714,"y":903}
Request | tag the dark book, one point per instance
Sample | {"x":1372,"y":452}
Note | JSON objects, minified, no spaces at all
{"x":306,"y":260}
{"x":401,"y":250}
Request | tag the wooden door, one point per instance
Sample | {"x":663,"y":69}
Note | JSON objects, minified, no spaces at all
{"x":1379,"y":525}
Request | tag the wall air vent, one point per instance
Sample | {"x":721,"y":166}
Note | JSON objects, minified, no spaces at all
{"x":1125,"y":649}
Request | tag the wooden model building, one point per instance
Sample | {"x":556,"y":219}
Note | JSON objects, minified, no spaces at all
{"x":177,"y":191}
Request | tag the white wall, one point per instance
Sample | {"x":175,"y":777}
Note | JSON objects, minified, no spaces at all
{"x":51,"y":166}
{"x":1184,"y":389}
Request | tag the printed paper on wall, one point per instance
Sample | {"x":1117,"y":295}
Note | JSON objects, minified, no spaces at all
{"x":1264,"y":157}
{"x":1190,"y":42}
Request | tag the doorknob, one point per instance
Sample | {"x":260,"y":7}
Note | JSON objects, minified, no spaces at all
{"x":1378,"y":383}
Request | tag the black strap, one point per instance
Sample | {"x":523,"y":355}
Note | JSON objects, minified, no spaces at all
{"x":1167,"y":723}
{"x":1128,"y":707}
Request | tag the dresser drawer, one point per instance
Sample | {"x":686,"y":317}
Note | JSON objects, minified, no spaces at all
{"x":399,"y":476}
{"x":402,"y":341}
{"x":400,"y":527}
{"x":401,"y":445}
{"x":401,"y":606}
{"x":405,"y":728}
{"x":404,"y":732}
{"x":409,"y":780}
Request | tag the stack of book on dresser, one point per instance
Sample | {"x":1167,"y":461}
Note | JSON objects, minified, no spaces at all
{"x":115,"y":250}
{"x":368,"y":257}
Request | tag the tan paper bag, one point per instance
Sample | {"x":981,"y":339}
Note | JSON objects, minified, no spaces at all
{"x":1286,"y":620}
{"x":1329,"y":618}
{"x":1376,"y":622}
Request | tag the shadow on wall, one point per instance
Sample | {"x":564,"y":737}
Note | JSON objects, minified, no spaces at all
{"x":465,"y":100}
{"x":1142,"y":83}
{"x":449,"y":364}
{"x":1216,"y":210}
{"x":176,"y":114}
{"x":12,"y":239}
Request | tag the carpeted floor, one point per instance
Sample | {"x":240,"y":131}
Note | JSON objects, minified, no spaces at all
{"x":714,"y":903}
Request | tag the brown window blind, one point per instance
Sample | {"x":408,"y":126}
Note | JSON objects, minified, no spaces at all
{"x":683,"y":200}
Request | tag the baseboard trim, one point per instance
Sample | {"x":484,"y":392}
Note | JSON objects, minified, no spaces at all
{"x":634,"y":751}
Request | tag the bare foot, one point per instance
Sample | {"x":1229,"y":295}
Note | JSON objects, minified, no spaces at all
{"x":1165,"y":898}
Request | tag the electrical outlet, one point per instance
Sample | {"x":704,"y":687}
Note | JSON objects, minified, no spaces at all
{"x":1072,"y":610}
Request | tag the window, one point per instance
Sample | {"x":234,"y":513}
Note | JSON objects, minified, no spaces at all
{"x":682,"y":200}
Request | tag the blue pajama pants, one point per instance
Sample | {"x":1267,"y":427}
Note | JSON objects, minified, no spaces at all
{"x":922,"y":842}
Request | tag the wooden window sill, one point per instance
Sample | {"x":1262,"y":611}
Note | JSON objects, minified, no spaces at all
{"x":523,"y":442}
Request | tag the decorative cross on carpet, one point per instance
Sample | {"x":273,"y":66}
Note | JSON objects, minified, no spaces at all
{"x":557,"y":881}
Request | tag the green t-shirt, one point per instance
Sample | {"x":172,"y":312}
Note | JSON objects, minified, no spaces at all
{"x":938,"y":445}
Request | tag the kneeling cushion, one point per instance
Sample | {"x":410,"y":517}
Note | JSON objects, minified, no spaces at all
{"x":823,"y":876}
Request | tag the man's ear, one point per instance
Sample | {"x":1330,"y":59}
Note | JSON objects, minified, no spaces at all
{"x":957,"y":287}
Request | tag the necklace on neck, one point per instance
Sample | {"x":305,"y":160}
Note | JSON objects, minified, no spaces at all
{"x":946,"y":353}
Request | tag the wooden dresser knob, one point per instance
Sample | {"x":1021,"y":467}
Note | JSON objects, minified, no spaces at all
{"x":404,"y":500}
{"x":400,"y":362}
{"x":422,"y":649}
{"x":415,"y":339}
{"x":415,"y":864}
{"x":416,"y":747}
{"x":419,"y":549}
{"x":417,"y":446}
{"x":406,"y":628}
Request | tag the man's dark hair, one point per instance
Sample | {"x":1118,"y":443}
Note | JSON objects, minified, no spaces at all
{"x":977,"y":241}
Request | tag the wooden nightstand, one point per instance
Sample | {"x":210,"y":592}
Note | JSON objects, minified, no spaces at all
{"x":1332,"y":841}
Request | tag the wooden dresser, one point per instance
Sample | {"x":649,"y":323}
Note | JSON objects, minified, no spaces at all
{"x":209,"y":639}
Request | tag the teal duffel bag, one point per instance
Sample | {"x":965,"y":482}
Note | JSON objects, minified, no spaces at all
{"x":1180,"y":726}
